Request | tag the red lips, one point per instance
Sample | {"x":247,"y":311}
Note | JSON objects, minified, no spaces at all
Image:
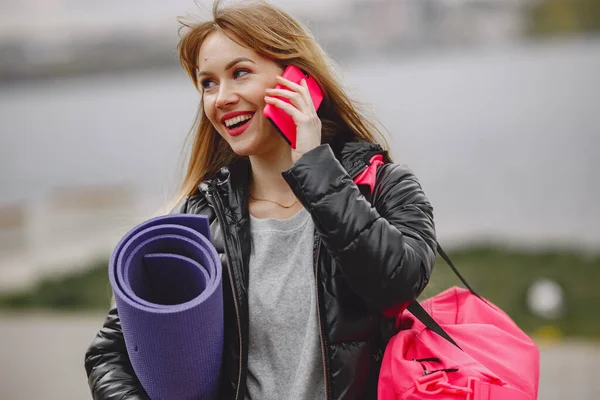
{"x":233,"y":115}
{"x":240,"y":129}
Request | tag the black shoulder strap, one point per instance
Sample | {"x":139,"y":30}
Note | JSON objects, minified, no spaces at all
{"x":442,"y":253}
{"x":419,"y":312}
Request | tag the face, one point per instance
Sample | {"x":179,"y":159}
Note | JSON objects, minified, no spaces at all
{"x":233,"y":81}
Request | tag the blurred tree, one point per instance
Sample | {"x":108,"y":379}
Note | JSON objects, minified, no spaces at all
{"x":82,"y":290}
{"x":564,"y":16}
{"x":504,"y":276}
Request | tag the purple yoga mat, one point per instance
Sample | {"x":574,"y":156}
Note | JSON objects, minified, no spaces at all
{"x":166,"y":277}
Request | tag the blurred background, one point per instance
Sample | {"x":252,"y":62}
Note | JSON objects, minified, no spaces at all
{"x":495,"y":104}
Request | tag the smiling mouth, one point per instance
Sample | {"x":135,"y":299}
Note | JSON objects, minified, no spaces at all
{"x":237,"y":125}
{"x":238,"y":121}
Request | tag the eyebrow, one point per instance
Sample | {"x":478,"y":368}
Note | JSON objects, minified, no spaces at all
{"x":229,"y":64}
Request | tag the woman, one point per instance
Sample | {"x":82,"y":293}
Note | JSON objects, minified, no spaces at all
{"x":312,"y":262}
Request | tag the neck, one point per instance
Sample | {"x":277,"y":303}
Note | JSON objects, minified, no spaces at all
{"x":267,"y":181}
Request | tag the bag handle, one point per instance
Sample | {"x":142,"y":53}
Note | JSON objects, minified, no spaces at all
{"x":422,"y":315}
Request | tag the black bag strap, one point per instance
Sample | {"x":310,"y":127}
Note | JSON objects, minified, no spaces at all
{"x":442,"y":253}
{"x":419,"y":312}
{"x":422,"y":315}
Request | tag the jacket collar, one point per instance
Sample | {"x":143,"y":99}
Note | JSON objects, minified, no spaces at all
{"x":355,"y":156}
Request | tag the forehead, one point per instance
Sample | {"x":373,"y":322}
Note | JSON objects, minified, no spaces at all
{"x":218,"y":49}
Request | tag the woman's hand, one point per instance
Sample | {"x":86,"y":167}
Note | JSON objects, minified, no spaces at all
{"x":302,"y":110}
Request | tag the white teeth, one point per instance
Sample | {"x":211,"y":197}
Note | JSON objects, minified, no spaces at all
{"x":237,"y":120}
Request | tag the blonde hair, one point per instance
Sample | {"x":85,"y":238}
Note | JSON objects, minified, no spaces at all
{"x":275,"y":35}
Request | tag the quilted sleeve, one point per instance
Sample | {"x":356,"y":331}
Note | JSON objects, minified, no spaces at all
{"x":385,"y":248}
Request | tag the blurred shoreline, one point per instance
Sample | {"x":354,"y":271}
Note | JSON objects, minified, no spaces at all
{"x":152,"y":60}
{"x":42,"y":40}
{"x":64,"y":38}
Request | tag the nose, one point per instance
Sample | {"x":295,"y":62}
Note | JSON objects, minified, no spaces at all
{"x":226,"y":97}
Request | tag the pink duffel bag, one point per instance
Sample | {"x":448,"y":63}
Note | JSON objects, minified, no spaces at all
{"x":457,"y":345}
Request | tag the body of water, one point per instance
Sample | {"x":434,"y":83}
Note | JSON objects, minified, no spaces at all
{"x":504,"y":140}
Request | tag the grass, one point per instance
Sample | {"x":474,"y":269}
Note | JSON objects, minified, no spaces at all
{"x":502,"y":276}
{"x":86,"y":289}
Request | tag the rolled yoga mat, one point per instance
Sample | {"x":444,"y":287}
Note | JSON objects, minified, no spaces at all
{"x":166,"y":277}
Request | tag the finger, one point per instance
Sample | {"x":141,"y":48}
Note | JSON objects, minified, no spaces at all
{"x":309,"y":99}
{"x":286,"y":107}
{"x":289,"y":84}
{"x":301,"y":89}
{"x":296,"y":99}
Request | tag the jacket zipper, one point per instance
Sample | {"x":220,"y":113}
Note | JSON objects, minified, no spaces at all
{"x":219,"y":205}
{"x":321,"y":336}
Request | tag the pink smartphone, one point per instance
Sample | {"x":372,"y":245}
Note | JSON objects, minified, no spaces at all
{"x":279,"y":118}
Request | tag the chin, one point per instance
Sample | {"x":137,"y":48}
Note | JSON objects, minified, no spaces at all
{"x":246,"y":146}
{"x":243,"y":151}
{"x":256,"y":144}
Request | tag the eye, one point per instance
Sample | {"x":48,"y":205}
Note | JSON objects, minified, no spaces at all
{"x":207,"y":83}
{"x":238,"y":73}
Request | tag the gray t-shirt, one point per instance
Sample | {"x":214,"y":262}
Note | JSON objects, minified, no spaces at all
{"x":284,"y":354}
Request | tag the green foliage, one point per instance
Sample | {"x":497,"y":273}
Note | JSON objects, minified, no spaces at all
{"x":564,"y":16}
{"x":85,"y":289}
{"x":504,"y":277}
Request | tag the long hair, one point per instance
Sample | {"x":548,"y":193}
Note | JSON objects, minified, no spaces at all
{"x":275,"y":35}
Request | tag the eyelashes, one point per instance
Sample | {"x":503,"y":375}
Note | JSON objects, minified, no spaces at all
{"x":204,"y":83}
{"x":238,"y":73}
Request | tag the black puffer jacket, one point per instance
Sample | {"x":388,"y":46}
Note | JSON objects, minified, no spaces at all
{"x":367,"y":259}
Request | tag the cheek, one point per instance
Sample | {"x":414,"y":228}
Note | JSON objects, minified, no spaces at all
{"x":208,"y":107}
{"x":259,"y":91}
